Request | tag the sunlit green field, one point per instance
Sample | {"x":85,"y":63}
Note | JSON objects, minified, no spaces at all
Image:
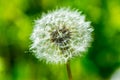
{"x":16,"y":24}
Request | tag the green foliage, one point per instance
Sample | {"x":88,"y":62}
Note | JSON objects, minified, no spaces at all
{"x":16,"y":24}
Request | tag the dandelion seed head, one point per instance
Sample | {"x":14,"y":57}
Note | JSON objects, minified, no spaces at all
{"x":60,"y":35}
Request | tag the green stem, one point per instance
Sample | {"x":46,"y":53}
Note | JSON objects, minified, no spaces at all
{"x":68,"y":71}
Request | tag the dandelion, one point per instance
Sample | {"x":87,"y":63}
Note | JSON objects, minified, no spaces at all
{"x":60,"y":35}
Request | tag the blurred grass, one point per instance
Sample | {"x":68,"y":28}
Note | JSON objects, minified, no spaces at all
{"x":16,"y":23}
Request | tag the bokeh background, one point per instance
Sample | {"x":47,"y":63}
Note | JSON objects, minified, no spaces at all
{"x":102,"y":62}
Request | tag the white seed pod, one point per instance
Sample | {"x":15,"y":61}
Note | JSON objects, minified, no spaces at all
{"x":60,"y":35}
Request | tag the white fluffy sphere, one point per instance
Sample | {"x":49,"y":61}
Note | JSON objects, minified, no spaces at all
{"x":60,"y":35}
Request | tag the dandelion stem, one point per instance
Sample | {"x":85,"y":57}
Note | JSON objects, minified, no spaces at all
{"x":68,"y":71}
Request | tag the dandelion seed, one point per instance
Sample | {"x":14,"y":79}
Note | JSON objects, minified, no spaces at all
{"x":61,"y":35}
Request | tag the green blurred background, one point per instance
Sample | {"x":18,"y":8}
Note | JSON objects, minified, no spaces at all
{"x":16,"y":24}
